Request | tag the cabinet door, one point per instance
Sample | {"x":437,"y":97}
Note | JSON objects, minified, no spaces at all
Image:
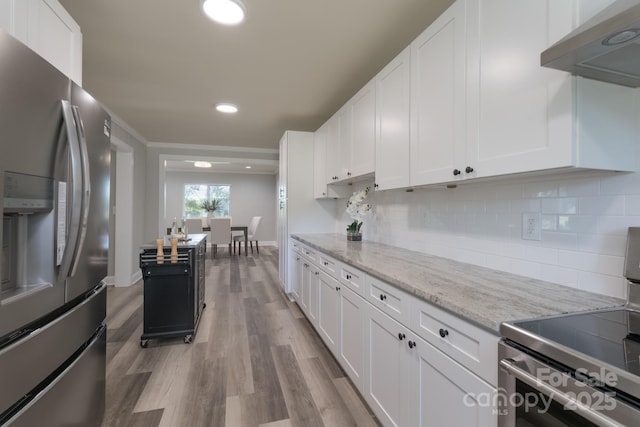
{"x":328,"y":313}
{"x":520,"y":114}
{"x":312,"y":277}
{"x":392,"y":123}
{"x":305,"y":286}
{"x":363,"y":117}
{"x":295,"y":281}
{"x":48,"y":29}
{"x":333,"y":156}
{"x":386,"y":379}
{"x":351,"y":349}
{"x":438,"y":99}
{"x":444,"y":393}
{"x":320,"y":161}
{"x":345,"y":120}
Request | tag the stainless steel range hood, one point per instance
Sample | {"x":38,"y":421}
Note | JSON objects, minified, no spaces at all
{"x":606,"y":48}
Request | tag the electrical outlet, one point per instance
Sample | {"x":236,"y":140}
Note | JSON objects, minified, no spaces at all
{"x":531,"y":226}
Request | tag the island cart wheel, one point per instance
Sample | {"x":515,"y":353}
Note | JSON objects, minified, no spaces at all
{"x":144,"y":343}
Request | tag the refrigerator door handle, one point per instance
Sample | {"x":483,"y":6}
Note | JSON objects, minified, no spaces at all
{"x":86,"y":188}
{"x":75,"y":193}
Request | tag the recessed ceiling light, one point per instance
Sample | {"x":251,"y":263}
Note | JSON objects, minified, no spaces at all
{"x":225,"y":107}
{"x":228,"y":12}
{"x":199,"y":164}
{"x":247,"y":167}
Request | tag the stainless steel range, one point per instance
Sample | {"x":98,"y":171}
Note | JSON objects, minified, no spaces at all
{"x":575,"y":370}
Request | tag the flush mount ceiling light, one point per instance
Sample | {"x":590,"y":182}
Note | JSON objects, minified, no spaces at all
{"x":228,"y":12}
{"x":200,"y":164}
{"x":225,"y":107}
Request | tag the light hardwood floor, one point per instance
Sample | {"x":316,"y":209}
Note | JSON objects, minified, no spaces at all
{"x":255,"y":360}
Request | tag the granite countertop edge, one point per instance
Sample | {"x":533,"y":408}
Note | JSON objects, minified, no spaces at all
{"x":481,"y":295}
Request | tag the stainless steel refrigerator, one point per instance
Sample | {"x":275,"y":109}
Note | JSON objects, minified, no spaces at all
{"x":54,"y":187}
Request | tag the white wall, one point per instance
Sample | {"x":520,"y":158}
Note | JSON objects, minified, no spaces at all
{"x":584,"y":225}
{"x":251,"y":195}
{"x":134,"y":144}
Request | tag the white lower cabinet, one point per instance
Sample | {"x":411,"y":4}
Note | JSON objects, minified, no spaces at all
{"x":414,"y":364}
{"x":296,"y":280}
{"x":328,"y":312}
{"x":443,"y":393}
{"x":351,"y":308}
{"x":310,"y":276}
{"x":386,"y":382}
{"x":341,"y":316}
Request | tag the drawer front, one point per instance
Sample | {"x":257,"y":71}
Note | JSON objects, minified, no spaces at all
{"x":296,"y":246}
{"x":310,"y":254}
{"x":328,"y":264}
{"x":353,"y":278}
{"x":393,"y":301}
{"x":471,"y":346}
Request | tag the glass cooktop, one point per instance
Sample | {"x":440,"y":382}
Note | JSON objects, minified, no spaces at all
{"x":611,"y":336}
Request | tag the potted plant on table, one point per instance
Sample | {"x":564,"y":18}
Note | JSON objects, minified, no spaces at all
{"x":211,"y":206}
{"x":357,"y":210}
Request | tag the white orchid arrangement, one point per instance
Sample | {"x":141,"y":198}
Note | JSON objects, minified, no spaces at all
{"x":358,"y":209}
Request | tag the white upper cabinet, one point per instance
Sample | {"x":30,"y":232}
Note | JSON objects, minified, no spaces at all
{"x":320,"y":161}
{"x":48,"y":29}
{"x":438,"y":99}
{"x":363,"y":131}
{"x":522,"y":117}
{"x":334,"y":154}
{"x":393,"y":98}
{"x":351,"y":137}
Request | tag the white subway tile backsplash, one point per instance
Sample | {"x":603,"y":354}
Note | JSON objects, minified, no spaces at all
{"x":632,"y":205}
{"x":559,"y":240}
{"x":583,"y":223}
{"x":601,"y":205}
{"x":620,"y":183}
{"x":526,"y":268}
{"x":617,"y":225}
{"x":541,"y":189}
{"x":559,"y":275}
{"x":602,"y":244}
{"x":541,"y":255}
{"x":549,"y":222}
{"x":525,"y":205}
{"x":602,"y":284}
{"x":565,"y":205}
{"x":577,"y":223}
{"x":578,"y":187}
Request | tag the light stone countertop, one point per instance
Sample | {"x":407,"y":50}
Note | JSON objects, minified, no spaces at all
{"x":481,"y":295}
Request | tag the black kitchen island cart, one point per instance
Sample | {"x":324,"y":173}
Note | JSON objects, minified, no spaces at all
{"x":173,"y":290}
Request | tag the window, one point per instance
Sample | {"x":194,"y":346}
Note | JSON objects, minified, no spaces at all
{"x":195,"y":194}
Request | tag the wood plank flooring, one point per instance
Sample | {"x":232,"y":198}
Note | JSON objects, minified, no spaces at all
{"x":255,"y":360}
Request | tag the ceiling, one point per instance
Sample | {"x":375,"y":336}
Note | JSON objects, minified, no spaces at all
{"x":161,"y":65}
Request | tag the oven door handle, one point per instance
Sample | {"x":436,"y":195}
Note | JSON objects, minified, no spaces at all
{"x":510,"y":366}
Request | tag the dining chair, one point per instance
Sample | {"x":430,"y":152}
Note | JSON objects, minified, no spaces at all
{"x":194,"y":225}
{"x":251,"y":234}
{"x":220,"y":233}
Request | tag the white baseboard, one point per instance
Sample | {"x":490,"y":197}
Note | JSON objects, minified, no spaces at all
{"x":135,"y":278}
